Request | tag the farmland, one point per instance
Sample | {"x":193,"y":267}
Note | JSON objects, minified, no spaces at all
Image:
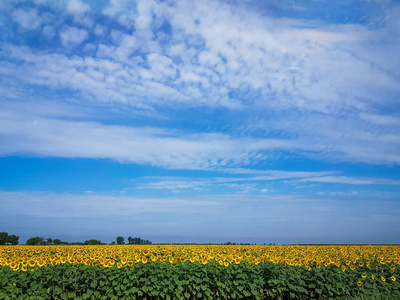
{"x":200,"y":272}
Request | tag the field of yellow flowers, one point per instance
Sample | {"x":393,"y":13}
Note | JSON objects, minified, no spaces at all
{"x":199,"y":272}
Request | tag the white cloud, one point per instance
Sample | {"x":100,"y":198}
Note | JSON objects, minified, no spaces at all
{"x":77,"y":6}
{"x":80,"y":11}
{"x":336,"y":138}
{"x":319,"y":138}
{"x":123,"y":10}
{"x":153,"y":146}
{"x":233,"y":54}
{"x":381,"y":119}
{"x":161,"y":67}
{"x":172,"y":183}
{"x":27,"y":19}
{"x":145,"y":10}
{"x":350,"y":180}
{"x":258,"y":52}
{"x":90,"y":47}
{"x":72,"y":36}
{"x":252,"y":184}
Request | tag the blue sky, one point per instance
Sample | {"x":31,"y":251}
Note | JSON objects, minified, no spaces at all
{"x":200,"y":121}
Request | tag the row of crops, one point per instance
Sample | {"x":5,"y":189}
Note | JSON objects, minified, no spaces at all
{"x":199,"y":272}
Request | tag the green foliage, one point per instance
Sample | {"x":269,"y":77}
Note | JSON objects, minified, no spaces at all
{"x":188,"y":280}
{"x":12,"y":239}
{"x":120,"y":240}
{"x":92,"y":242}
{"x":3,"y":238}
{"x":36,"y":241}
{"x":138,"y":241}
{"x":6,"y":239}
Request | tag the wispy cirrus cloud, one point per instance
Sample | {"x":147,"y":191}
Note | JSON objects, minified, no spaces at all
{"x":350,"y":180}
{"x":255,"y":184}
{"x":144,"y":145}
{"x":31,"y":132}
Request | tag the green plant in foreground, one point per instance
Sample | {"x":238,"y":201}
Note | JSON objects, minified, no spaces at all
{"x":189,"y":280}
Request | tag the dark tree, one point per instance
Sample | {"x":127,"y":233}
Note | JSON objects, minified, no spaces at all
{"x":138,"y":241}
{"x":120,"y":240}
{"x":13,"y":239}
{"x":56,"y":242}
{"x":92,"y":242}
{"x":3,"y":238}
{"x":36,"y":241}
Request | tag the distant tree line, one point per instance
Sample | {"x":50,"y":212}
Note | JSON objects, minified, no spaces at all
{"x":6,"y":239}
{"x":49,"y":241}
{"x":132,"y":241}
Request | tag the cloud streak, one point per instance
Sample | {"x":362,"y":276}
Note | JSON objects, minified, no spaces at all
{"x":154,"y":146}
{"x":32,"y":134}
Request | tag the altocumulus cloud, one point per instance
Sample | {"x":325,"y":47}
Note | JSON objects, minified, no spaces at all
{"x":72,"y":36}
{"x":27,"y":19}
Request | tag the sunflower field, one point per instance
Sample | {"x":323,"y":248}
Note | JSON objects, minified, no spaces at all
{"x":200,"y":272}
